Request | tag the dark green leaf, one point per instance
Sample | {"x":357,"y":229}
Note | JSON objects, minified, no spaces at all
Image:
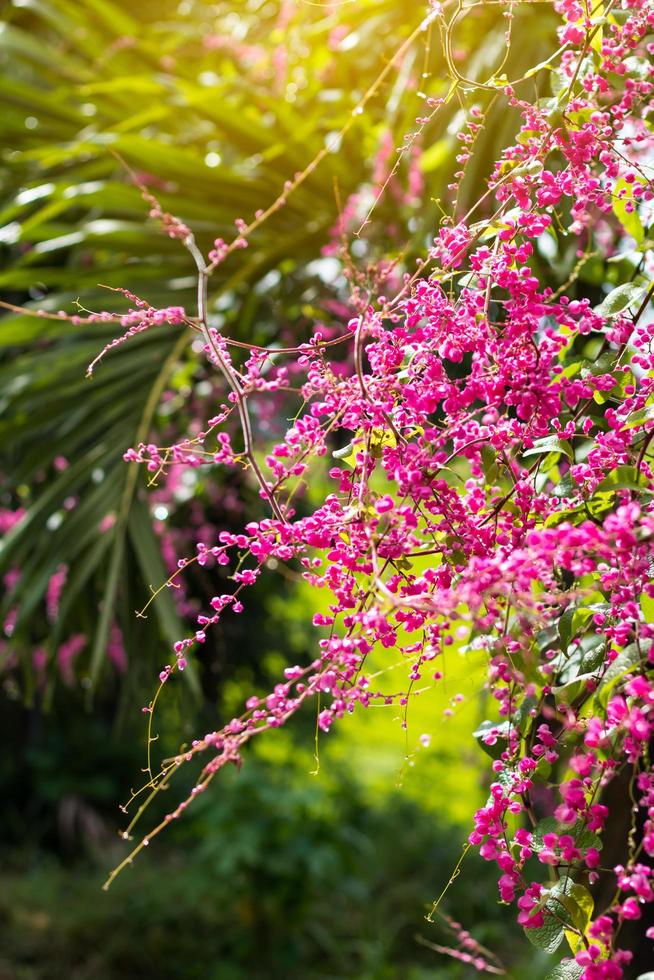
{"x":500,"y":733}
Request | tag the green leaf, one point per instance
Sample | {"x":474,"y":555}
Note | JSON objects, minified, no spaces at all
{"x":501,"y":730}
{"x":348,"y":454}
{"x":550,"y":444}
{"x":566,"y":970}
{"x":597,"y":22}
{"x":523,"y":717}
{"x":581,"y":616}
{"x":647,"y":605}
{"x":622,"y":478}
{"x":630,"y":220}
{"x":573,"y":514}
{"x":621,"y":298}
{"x":594,"y":653}
{"x":566,"y":487}
{"x":580,"y":904}
{"x":583,"y":837}
{"x":548,"y":825}
{"x":549,"y":936}
{"x":640,"y":418}
{"x":558,"y":915}
{"x":489,"y":463}
{"x":627,"y":659}
{"x":571,"y":690}
{"x":565,"y":627}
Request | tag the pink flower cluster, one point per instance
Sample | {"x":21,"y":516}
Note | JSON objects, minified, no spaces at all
{"x":493,"y":483}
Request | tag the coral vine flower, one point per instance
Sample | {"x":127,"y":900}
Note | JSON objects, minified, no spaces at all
{"x":492,"y":481}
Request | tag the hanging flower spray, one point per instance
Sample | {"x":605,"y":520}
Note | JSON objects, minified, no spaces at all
{"x":496,"y":490}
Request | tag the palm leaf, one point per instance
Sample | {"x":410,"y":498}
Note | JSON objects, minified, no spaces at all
{"x":80,"y":82}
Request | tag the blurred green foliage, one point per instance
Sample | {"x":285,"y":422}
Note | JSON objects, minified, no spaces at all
{"x":275,"y":875}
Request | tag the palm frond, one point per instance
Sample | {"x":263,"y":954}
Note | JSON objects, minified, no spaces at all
{"x":214,"y":125}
